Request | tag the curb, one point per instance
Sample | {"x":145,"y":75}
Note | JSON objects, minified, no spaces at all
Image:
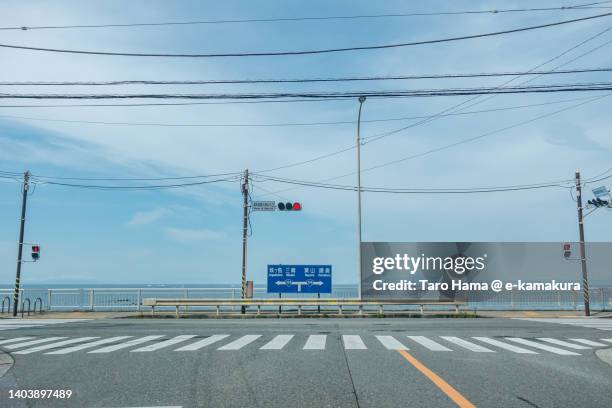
{"x":6,"y":363}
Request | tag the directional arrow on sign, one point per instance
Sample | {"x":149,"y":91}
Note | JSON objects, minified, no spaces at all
{"x":299,"y":283}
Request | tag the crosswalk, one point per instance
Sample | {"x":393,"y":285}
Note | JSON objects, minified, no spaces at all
{"x":57,"y":345}
{"x":13,"y":324}
{"x":591,"y":323}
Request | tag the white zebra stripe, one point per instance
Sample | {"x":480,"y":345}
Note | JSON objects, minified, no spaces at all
{"x":505,"y":346}
{"x":15,"y":339}
{"x":541,"y":346}
{"x":162,"y":344}
{"x":203,"y":343}
{"x":315,"y":342}
{"x":72,"y":349}
{"x":563,"y":343}
{"x":32,"y":342}
{"x":467,"y":345}
{"x":589,"y":342}
{"x":428,"y":344}
{"x":241,"y":342}
{"x":127,"y":344}
{"x":353,"y":342}
{"x":54,"y":345}
{"x":278,"y":342}
{"x":391,"y":343}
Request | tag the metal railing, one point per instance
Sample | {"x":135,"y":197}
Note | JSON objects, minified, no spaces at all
{"x":6,"y":299}
{"x":23,"y":302}
{"x":130,"y":299}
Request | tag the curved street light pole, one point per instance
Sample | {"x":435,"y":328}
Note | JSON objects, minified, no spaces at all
{"x":361,"y":101}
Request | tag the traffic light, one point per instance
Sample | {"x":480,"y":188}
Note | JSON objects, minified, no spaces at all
{"x":295,"y":206}
{"x":598,"y":202}
{"x":567,"y":251}
{"x":35,"y":252}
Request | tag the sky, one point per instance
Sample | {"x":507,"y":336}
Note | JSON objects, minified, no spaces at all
{"x":194,"y":235}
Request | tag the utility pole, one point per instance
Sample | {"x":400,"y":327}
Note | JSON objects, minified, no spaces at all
{"x":24,"y":200}
{"x":245,"y":226}
{"x":361,"y":101}
{"x":585,"y":278}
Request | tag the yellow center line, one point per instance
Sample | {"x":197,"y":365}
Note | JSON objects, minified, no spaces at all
{"x":446,"y":388}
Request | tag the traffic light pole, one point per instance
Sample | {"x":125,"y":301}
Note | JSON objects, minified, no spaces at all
{"x":245,"y":226}
{"x":585,"y":278}
{"x":24,"y":201}
{"x":361,"y":101}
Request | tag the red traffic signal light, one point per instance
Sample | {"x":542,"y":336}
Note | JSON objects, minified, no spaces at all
{"x":295,"y":206}
{"x":35,"y":252}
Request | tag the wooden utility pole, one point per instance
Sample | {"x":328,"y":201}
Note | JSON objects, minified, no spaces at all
{"x":24,"y":201}
{"x":245,"y":227}
{"x":585,"y":278}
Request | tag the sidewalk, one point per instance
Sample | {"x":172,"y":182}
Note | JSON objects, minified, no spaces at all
{"x":428,"y":314}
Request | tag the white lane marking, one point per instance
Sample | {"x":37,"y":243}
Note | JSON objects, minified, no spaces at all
{"x":315,"y":342}
{"x":88,"y":345}
{"x":429,"y":344}
{"x":563,"y":343}
{"x":505,"y":346}
{"x":467,"y":345}
{"x":353,"y":342}
{"x":541,"y":346}
{"x":130,"y":343}
{"x":165,"y":343}
{"x":391,"y":343}
{"x":32,"y":342}
{"x":241,"y":342}
{"x":589,"y":342}
{"x":15,"y":339}
{"x":203,"y":343}
{"x":18,"y":322}
{"x":13,"y":327}
{"x":278,"y":342}
{"x":589,"y":323}
{"x":54,"y":345}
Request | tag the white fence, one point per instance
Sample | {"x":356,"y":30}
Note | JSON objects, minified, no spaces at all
{"x":130,"y":299}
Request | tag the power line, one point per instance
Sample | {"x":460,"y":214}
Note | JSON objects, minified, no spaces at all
{"x":306,"y":52}
{"x":300,"y":80}
{"x":446,"y":111}
{"x":410,"y":93}
{"x":123,"y":105}
{"x":291,"y":124}
{"x":44,"y":178}
{"x":470,"y":190}
{"x":454,"y":144}
{"x":577,"y":7}
{"x":461,"y":106}
{"x":138,"y":187}
{"x":567,"y":183}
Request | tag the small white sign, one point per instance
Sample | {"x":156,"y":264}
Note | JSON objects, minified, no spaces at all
{"x":601,"y":192}
{"x":263,"y":205}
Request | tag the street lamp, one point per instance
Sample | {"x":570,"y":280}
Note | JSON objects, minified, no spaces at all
{"x":361,"y":101}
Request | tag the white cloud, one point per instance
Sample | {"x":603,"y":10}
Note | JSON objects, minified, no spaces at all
{"x":147,"y":217}
{"x":185,"y":235}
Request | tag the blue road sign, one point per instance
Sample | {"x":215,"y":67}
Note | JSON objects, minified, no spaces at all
{"x":299,"y":278}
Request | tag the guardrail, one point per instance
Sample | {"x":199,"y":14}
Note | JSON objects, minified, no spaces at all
{"x":130,"y":299}
{"x":299,"y":303}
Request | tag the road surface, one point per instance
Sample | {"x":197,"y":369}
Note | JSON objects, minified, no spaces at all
{"x":431,"y":362}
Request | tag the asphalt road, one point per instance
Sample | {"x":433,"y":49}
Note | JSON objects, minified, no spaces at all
{"x":354,"y":367}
